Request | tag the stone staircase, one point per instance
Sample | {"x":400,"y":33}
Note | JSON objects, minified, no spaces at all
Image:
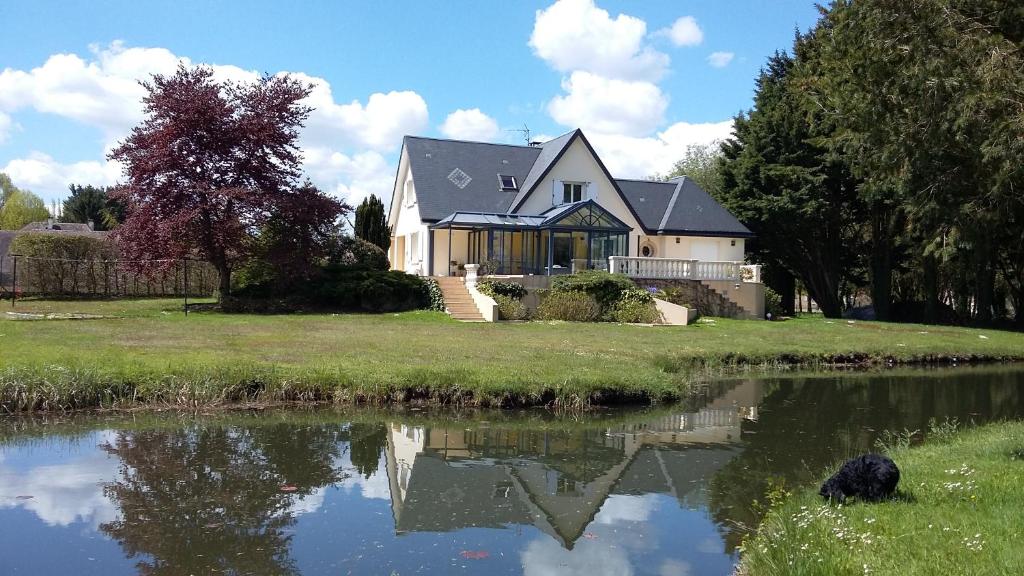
{"x":457,"y":300}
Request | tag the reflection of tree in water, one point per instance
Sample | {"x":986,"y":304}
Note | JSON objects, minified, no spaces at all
{"x":808,"y":425}
{"x":203,"y":500}
{"x":367,"y":443}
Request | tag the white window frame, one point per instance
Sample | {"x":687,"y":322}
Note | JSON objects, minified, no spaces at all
{"x":572,"y":188}
{"x":410,"y":193}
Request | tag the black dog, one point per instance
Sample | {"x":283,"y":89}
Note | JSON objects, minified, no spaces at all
{"x":869,"y":477}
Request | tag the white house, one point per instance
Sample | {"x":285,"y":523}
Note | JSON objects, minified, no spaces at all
{"x":551,"y":209}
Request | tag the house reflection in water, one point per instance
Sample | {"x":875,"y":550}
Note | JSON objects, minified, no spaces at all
{"x":445,"y":479}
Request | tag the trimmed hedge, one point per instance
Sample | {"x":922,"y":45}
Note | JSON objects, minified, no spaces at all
{"x":572,"y":306}
{"x":495,"y":288}
{"x":604,"y":287}
{"x":510,"y":309}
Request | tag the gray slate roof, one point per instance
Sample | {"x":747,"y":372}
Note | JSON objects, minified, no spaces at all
{"x":677,"y":207}
{"x":680,"y":207}
{"x":433,"y":160}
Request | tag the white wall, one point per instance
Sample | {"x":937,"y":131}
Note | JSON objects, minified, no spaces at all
{"x":728,"y":249}
{"x":460,"y":250}
{"x":405,"y":222}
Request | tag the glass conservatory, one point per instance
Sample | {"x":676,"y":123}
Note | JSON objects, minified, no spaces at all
{"x":567,"y":238}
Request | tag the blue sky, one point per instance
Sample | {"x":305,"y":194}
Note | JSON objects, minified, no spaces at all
{"x":615,"y":69}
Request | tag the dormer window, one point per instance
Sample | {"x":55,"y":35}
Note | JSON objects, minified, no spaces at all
{"x":507,"y":183}
{"x":572,"y":192}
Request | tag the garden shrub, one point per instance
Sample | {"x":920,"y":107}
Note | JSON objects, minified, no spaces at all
{"x":370,"y":290}
{"x":510,"y":308}
{"x":635,"y":295}
{"x":635,"y":306}
{"x":495,"y":288}
{"x":357,"y":254}
{"x":630,"y":311}
{"x":772,"y":303}
{"x":573,"y":306}
{"x":602,"y":286}
{"x":435,"y":297}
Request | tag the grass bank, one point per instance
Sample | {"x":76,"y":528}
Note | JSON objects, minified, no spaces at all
{"x":958,"y":511}
{"x":148,"y":352}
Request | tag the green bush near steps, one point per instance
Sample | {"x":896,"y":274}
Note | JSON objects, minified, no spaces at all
{"x":511,"y":308}
{"x":495,"y":288}
{"x":604,"y":287}
{"x":571,"y":306}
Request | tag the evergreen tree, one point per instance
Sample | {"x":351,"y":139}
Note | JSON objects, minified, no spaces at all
{"x":798,"y":199}
{"x":372,"y":223}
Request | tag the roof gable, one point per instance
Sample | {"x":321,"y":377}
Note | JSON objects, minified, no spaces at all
{"x":550,"y":152}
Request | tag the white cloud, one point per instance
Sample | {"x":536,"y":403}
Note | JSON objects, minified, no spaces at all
{"x":720,"y":59}
{"x":609,"y":106}
{"x":576,"y":35}
{"x":43,"y":175}
{"x":619,"y":508}
{"x":470,"y":124}
{"x":684,"y":32}
{"x":5,"y":127}
{"x":62,"y":494}
{"x":354,"y":177}
{"x":341,"y":142}
{"x":640,"y":157}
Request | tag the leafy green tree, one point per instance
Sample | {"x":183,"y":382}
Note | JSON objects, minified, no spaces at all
{"x":798,"y":198}
{"x":6,"y":187}
{"x":700,"y":163}
{"x":92,"y":204}
{"x":21,"y":207}
{"x":372,"y":223}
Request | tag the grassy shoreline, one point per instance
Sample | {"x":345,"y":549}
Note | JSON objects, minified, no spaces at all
{"x":147,"y":352}
{"x":959,"y":507}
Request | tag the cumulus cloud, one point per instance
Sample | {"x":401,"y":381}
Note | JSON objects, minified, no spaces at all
{"x":41,"y":173}
{"x":342,"y":141}
{"x":640,"y":157}
{"x":470,"y":124}
{"x":62,"y":494}
{"x":5,"y":127}
{"x":685,"y":32}
{"x":720,"y":59}
{"x":577,"y":35}
{"x":611,"y":89}
{"x":606,"y":105}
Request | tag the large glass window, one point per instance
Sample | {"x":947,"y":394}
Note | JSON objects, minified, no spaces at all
{"x":561,"y":253}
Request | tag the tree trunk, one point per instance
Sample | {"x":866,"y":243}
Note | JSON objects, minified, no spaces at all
{"x":884,"y":225}
{"x":224,"y":280}
{"x":931,"y":290}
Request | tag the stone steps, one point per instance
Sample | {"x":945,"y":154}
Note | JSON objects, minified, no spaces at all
{"x":457,"y":300}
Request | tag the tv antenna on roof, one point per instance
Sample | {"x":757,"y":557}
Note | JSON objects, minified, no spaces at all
{"x":525,"y":131}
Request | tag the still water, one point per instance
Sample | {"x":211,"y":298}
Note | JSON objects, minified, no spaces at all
{"x":665,"y":490}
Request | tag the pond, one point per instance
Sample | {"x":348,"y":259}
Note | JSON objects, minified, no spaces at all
{"x":664,"y":490}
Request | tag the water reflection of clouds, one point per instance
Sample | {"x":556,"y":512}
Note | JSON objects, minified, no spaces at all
{"x":620,"y":526}
{"x":62,"y":494}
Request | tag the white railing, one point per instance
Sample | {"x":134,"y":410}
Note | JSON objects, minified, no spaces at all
{"x":674,"y":268}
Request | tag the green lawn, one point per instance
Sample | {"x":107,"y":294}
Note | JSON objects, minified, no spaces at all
{"x":959,"y":512}
{"x":148,"y":351}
